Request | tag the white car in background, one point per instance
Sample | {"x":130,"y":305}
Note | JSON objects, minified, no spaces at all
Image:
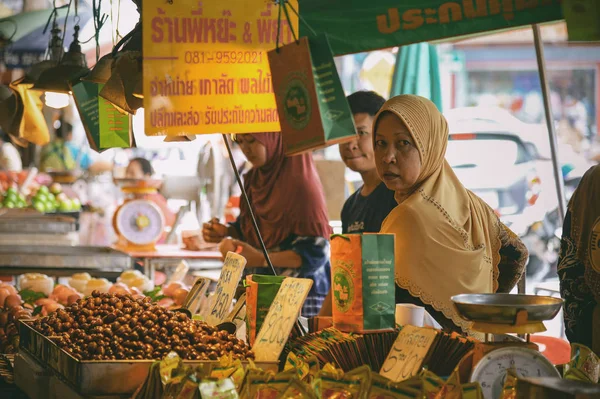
{"x":506,"y":163}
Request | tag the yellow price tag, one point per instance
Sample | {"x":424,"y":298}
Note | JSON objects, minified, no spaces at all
{"x":409,"y":353}
{"x":231,"y":274}
{"x":282,"y":315}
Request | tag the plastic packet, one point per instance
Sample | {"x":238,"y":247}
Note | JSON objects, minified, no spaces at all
{"x":188,"y":390}
{"x":301,"y":368}
{"x":431,"y":384}
{"x":472,"y":390}
{"x":297,"y":389}
{"x":170,"y":363}
{"x":268,"y":386}
{"x":584,"y":365}
{"x":173,"y":387}
{"x":229,"y":368}
{"x":384,"y":388}
{"x":509,"y":390}
{"x":313,"y":366}
{"x":451,"y":388}
{"x":221,"y":389}
{"x":334,"y":384}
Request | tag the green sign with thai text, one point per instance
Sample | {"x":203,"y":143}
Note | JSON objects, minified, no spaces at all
{"x":354,"y":26}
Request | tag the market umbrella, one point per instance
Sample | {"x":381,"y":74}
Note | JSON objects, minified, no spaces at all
{"x":22,"y":38}
{"x":417,"y":72}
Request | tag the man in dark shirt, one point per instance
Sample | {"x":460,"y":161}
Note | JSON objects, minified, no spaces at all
{"x":365,"y":210}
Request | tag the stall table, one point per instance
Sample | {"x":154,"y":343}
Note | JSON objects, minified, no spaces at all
{"x":62,"y":261}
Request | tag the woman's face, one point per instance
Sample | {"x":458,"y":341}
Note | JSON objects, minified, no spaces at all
{"x":134,"y":171}
{"x":396,"y":155}
{"x":255,"y":152}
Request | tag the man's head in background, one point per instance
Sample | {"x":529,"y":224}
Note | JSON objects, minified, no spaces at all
{"x":358,"y":153}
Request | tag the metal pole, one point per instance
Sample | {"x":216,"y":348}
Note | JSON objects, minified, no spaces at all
{"x":558,"y":178}
{"x":247,"y":201}
{"x":297,"y":326}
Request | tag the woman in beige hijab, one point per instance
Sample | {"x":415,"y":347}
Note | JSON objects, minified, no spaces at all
{"x":448,"y":241}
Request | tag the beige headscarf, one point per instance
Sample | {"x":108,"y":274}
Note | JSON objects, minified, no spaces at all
{"x":447,"y":238}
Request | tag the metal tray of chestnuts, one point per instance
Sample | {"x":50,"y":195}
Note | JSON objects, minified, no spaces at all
{"x":96,"y":377}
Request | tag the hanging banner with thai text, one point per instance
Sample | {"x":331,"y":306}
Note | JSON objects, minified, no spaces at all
{"x":355,"y":26}
{"x":206,"y":68}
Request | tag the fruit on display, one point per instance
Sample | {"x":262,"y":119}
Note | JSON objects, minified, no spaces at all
{"x":44,"y":200}
{"x":13,"y":199}
{"x":97,"y":284}
{"x":79,"y":280}
{"x":12,"y":309}
{"x":47,"y":200}
{"x":37,"y":282}
{"x":65,"y":295}
{"x":177,"y":291}
{"x":135,"y":279}
{"x":119,"y":327}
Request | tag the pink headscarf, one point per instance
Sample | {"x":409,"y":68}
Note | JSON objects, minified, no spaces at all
{"x":286,"y":196}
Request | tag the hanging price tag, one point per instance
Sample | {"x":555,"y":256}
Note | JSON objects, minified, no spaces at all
{"x":409,"y":353}
{"x":233,"y":267}
{"x":283,"y":313}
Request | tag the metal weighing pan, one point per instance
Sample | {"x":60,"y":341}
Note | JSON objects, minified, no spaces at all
{"x":503,"y":308}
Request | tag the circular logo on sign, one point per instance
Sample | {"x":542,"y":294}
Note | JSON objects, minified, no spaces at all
{"x":343,"y":290}
{"x":595,"y":246}
{"x":296,"y":104}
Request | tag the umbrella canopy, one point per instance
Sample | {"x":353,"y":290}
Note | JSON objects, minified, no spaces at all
{"x":24,"y":37}
{"x":417,"y":72}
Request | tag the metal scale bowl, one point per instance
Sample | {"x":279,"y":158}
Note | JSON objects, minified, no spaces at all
{"x":138,"y":222}
{"x":506,"y":314}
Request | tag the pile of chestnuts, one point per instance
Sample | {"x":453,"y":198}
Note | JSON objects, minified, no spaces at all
{"x":119,"y":327}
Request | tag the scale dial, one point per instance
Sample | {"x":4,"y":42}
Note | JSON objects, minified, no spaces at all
{"x":140,"y":222}
{"x":490,"y":372}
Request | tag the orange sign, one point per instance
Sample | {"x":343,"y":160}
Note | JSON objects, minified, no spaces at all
{"x":206,"y":68}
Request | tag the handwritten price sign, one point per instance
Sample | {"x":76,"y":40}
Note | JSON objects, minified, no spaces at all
{"x":206,"y":68}
{"x":409,"y":352}
{"x":283,"y":313}
{"x":233,"y":267}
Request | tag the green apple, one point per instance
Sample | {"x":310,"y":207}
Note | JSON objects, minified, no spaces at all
{"x":21,"y":204}
{"x":11,"y":196}
{"x":39,"y":206}
{"x":76,"y":204}
{"x":65,"y":206}
{"x":9,"y":204}
{"x":49,"y":205}
{"x":51,"y":197}
{"x":11,"y":190}
{"x":43,"y":190}
{"x":41,"y":196}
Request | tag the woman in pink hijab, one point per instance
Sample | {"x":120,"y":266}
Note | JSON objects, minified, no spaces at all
{"x":288,"y":202}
